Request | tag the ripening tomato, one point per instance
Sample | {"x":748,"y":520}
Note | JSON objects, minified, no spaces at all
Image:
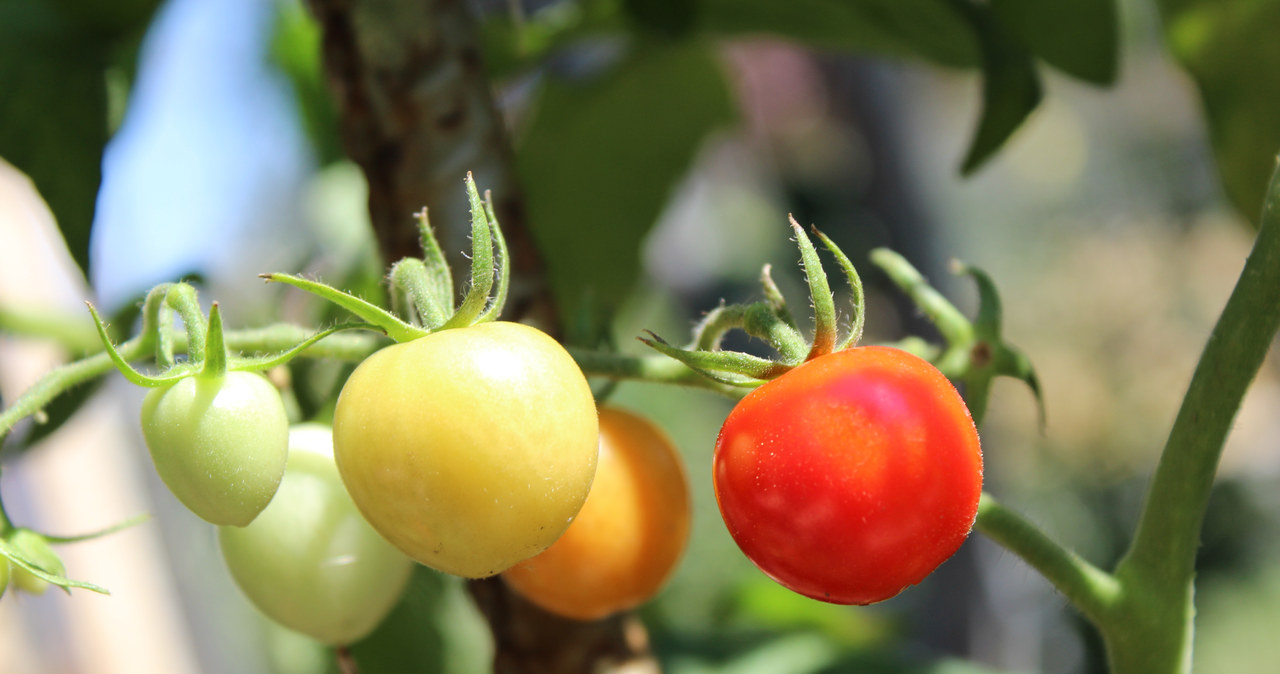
{"x":629,"y":535}
{"x":309,"y":560}
{"x":852,"y":476}
{"x":470,"y":449}
{"x":219,"y":443}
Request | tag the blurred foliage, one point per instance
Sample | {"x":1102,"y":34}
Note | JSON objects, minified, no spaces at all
{"x":434,"y":628}
{"x":1079,"y":37}
{"x":56,"y":58}
{"x":295,"y":49}
{"x":600,"y":157}
{"x":1231,"y":51}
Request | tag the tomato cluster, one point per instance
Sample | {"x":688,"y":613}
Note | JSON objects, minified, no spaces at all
{"x":852,"y":476}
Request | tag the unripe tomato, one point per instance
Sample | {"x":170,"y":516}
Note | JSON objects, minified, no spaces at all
{"x":852,"y":476}
{"x":36,"y":549}
{"x":309,"y":560}
{"x":629,"y":535}
{"x":219,"y":443}
{"x":470,"y":449}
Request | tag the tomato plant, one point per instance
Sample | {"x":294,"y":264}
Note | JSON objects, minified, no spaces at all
{"x":470,"y":449}
{"x":852,"y":476}
{"x":309,"y":560}
{"x":630,"y":533}
{"x":219,"y":443}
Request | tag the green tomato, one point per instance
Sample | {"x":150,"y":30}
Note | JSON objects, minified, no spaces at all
{"x":35,"y":549}
{"x":470,"y":449}
{"x":310,"y":561}
{"x":219,"y":443}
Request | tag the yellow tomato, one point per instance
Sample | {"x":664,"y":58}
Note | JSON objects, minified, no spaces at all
{"x":470,"y":449}
{"x":630,"y":534}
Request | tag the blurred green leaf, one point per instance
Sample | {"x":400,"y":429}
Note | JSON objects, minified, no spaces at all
{"x":295,"y":49}
{"x":765,"y":603}
{"x":1079,"y":37}
{"x":933,"y":29}
{"x":108,"y":19}
{"x":1232,"y":52}
{"x":434,"y":628}
{"x":601,"y":156}
{"x":1010,"y":86}
{"x":53,"y":113}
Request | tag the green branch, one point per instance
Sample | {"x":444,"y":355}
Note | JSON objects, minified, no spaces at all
{"x":1090,"y":589}
{"x":343,"y":346}
{"x":1158,"y":569}
{"x":656,"y":369}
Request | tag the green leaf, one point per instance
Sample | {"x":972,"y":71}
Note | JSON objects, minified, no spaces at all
{"x":53,"y":113}
{"x":434,"y":628}
{"x":1010,"y":87}
{"x":932,"y":29}
{"x":601,"y":156}
{"x":1233,"y":55}
{"x":1079,"y":37}
{"x":295,"y":49}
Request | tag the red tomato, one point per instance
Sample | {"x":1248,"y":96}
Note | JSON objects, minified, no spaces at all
{"x":852,"y":476}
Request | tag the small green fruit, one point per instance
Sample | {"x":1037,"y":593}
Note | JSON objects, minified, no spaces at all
{"x":219,"y":443}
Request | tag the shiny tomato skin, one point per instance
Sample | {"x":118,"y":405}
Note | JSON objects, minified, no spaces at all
{"x":309,"y":561}
{"x":629,"y":535}
{"x":219,"y":443}
{"x":470,"y":449}
{"x":852,"y":476}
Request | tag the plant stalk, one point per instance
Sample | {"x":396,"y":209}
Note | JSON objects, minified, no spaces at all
{"x":1152,"y":629}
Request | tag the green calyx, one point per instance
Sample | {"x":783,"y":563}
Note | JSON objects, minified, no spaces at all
{"x":772,"y":321}
{"x":422,"y":294}
{"x":974,"y":352}
{"x":29,"y":558}
{"x":205,"y":341}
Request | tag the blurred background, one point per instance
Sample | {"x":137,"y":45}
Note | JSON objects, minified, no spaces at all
{"x":1112,"y":220}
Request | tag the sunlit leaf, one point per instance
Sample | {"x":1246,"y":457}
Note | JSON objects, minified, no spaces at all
{"x":1232,"y":53}
{"x":1010,"y":87}
{"x":601,"y":157}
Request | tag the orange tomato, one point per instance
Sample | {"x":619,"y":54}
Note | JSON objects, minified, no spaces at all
{"x":630,"y":534}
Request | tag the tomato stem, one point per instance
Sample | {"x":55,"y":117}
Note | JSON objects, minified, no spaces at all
{"x":657,"y":369}
{"x":1158,"y":570}
{"x":1092,"y":590}
{"x":182,"y":298}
